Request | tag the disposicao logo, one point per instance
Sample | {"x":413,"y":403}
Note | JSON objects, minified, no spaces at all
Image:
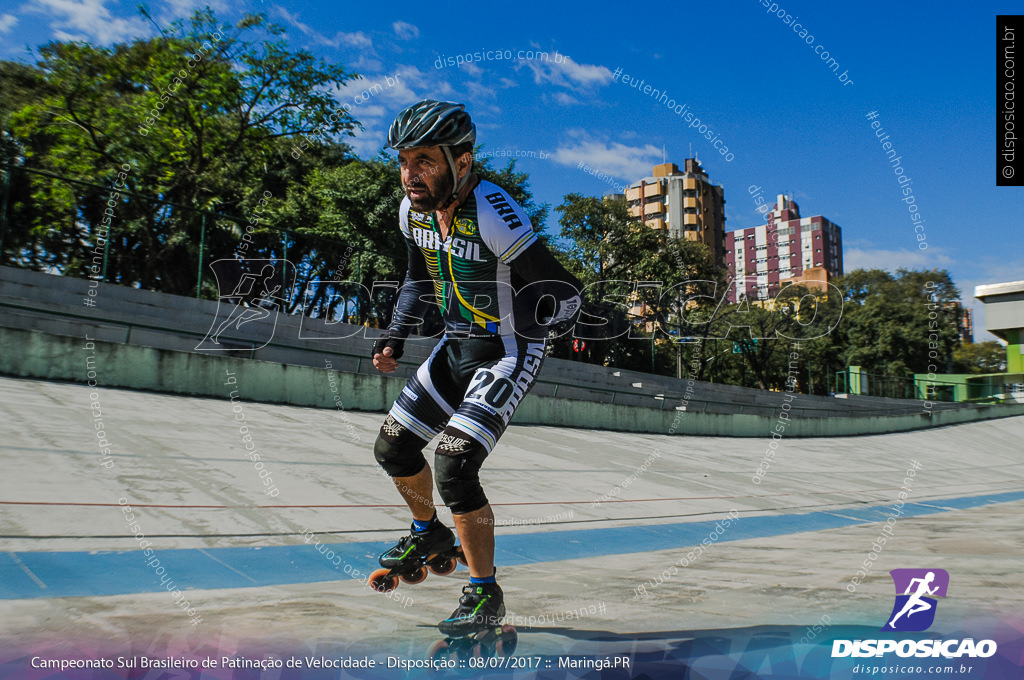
{"x":914,"y":611}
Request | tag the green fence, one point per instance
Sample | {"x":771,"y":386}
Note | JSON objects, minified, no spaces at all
{"x":951,"y":388}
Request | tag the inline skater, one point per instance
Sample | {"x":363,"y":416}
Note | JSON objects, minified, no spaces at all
{"x":473,"y":252}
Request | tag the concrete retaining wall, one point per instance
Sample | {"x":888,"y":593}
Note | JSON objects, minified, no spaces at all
{"x":146,"y":319}
{"x":36,"y":354}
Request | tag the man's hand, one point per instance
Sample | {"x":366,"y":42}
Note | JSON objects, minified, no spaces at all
{"x":567,"y":309}
{"x":386,"y":353}
{"x":384,"y":362}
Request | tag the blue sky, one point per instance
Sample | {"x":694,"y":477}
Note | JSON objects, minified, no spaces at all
{"x":791,"y":126}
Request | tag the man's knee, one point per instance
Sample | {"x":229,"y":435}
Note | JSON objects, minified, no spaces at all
{"x":457,"y":472}
{"x":398,"y":450}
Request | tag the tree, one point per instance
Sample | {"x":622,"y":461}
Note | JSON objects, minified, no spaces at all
{"x":201,"y":116}
{"x":979,"y":357}
{"x":627,"y":269}
{"x":356,"y":204}
{"x":898,"y":325}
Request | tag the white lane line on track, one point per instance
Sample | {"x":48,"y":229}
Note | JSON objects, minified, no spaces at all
{"x":228,"y":566}
{"x":28,"y":571}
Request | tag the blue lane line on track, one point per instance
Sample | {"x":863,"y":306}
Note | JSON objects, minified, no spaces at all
{"x":26,"y":575}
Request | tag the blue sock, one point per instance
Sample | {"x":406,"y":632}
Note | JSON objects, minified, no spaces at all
{"x":480,"y":581}
{"x":423,"y":526}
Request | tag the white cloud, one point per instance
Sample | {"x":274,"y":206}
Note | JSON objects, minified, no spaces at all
{"x":585,"y":74}
{"x":293,"y":19}
{"x":568,"y":73}
{"x":565,"y":99}
{"x":628,"y":163}
{"x":182,"y":9}
{"x":7,"y":22}
{"x":357,"y":39}
{"x":88,"y":19}
{"x":359,"y":93}
{"x":364,"y":64}
{"x":891,"y":260}
{"x":64,"y":36}
{"x":405,"y":31}
{"x":374,"y":101}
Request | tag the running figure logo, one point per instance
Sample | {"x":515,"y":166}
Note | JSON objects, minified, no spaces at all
{"x":250,"y":290}
{"x":915,"y":609}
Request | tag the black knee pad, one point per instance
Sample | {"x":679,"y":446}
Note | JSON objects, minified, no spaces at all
{"x":398,"y":450}
{"x":457,"y":472}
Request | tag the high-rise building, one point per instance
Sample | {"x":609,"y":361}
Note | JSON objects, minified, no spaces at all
{"x":685,"y":203}
{"x":965,"y":328}
{"x":786,"y":249}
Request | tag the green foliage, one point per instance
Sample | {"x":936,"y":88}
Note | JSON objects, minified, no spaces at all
{"x":200,"y":115}
{"x":892,"y":323}
{"x":232,"y":123}
{"x":980,"y":357}
{"x":888,"y":324}
{"x":610,"y":252}
{"x":355,"y":204}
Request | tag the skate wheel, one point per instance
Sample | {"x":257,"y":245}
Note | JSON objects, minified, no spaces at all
{"x":461,"y":556}
{"x":415,"y":577}
{"x":484,"y":644}
{"x":382,"y":581}
{"x":444,"y":568}
{"x":439,"y":653}
{"x":455,"y":651}
{"x":508,"y":639}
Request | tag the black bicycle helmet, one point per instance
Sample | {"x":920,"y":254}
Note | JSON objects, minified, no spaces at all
{"x":431,"y":123}
{"x":434,"y":123}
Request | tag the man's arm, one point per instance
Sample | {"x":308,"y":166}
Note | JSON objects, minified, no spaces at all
{"x":506,"y":230}
{"x":412,"y":304}
{"x":536,"y":263}
{"x":414,"y":298}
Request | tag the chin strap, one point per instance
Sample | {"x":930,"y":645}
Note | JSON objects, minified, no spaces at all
{"x":457,"y":184}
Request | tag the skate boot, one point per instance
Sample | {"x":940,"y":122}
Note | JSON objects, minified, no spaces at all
{"x":475,"y":630}
{"x":410,"y":559}
{"x":481,"y":607}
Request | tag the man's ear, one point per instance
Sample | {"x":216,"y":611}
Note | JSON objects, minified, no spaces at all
{"x":464,"y":164}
